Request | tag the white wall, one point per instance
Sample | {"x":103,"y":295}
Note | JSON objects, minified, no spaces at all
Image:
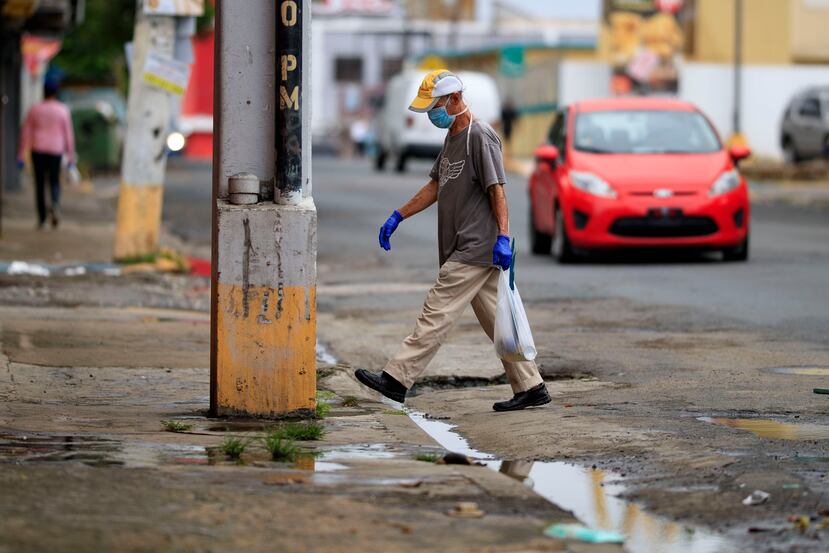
{"x":766,"y":92}
{"x":582,"y":80}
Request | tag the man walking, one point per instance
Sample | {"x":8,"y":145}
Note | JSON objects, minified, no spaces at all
{"x":47,"y":130}
{"x":467,"y":182}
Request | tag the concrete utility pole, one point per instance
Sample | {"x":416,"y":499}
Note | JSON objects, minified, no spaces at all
{"x":263,"y":304}
{"x":737,"y":138}
{"x":145,"y":154}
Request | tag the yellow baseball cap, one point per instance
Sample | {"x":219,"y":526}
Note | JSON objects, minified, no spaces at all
{"x":435,"y":84}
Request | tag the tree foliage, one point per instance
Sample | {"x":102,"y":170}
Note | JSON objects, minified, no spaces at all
{"x":94,"y":51}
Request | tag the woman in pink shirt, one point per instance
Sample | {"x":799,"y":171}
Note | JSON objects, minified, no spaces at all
{"x":47,"y":131}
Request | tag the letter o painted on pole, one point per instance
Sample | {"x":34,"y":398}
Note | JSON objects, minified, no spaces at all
{"x":289,"y":13}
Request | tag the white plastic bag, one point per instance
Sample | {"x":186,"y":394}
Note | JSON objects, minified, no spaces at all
{"x":513,"y":338}
{"x":69,"y":174}
{"x":73,"y":176}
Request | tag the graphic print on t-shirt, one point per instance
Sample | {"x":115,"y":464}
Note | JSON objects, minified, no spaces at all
{"x":449,"y":171}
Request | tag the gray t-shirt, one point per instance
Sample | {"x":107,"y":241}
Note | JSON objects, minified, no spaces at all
{"x":467,"y":228}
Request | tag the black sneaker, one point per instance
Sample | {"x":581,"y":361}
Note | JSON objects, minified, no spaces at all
{"x":383,"y":383}
{"x":531,"y":398}
{"x":55,"y":216}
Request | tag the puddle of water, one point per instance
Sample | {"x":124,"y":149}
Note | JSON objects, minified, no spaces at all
{"x":803,"y":371}
{"x":774,"y":430}
{"x":324,"y":466}
{"x":24,"y":448}
{"x":591,"y":495}
{"x":443,"y":434}
{"x":144,"y":454}
{"x":323,"y":356}
{"x":357,"y":451}
{"x":96,"y":451}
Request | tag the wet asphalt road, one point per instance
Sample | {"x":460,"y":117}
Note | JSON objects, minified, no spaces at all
{"x":784,"y":287}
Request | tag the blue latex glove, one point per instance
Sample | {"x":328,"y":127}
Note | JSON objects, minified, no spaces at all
{"x":388,"y":228}
{"x":502,"y":253}
{"x":21,"y":164}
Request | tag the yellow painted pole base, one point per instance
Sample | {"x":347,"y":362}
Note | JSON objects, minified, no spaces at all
{"x":266,"y":361}
{"x":138,"y":220}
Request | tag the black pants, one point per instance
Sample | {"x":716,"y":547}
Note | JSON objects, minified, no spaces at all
{"x":46,"y":166}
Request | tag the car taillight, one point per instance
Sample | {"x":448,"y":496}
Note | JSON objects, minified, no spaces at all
{"x":409,"y":122}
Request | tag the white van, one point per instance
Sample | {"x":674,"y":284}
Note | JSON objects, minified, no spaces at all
{"x":404,"y":134}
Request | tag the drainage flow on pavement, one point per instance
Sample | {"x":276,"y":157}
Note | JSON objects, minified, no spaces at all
{"x":590,"y":494}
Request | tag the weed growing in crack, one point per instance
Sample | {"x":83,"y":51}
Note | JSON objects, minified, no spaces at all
{"x":303,"y":431}
{"x":233,"y":447}
{"x":325,"y":395}
{"x":322,"y":410}
{"x":427,"y":457}
{"x":351,"y":401}
{"x":176,"y":426}
{"x":324,"y":372}
{"x":280,"y":447}
{"x":394,"y":412}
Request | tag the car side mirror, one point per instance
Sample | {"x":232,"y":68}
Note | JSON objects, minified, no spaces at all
{"x":739,"y":153}
{"x":547,"y":153}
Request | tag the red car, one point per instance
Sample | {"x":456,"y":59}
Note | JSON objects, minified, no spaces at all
{"x":637,"y":172}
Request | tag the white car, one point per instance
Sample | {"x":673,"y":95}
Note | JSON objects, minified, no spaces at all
{"x":404,"y":134}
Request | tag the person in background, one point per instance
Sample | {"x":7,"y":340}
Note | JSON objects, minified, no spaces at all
{"x":508,"y":117}
{"x":47,"y":132}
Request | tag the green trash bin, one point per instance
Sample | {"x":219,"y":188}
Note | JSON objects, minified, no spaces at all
{"x":98,"y":136}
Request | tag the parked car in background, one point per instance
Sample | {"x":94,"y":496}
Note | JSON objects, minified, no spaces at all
{"x":804,"y":131}
{"x":403,"y":134}
{"x":636,"y":172}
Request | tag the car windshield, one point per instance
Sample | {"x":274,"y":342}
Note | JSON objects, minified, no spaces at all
{"x":644,"y":132}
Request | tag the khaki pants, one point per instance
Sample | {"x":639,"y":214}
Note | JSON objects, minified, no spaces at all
{"x":457,"y":286}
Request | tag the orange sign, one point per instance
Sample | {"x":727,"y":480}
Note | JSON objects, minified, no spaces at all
{"x":38,"y":50}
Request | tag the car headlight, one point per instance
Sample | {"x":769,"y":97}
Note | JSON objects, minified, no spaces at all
{"x":726,"y":182}
{"x":591,"y":184}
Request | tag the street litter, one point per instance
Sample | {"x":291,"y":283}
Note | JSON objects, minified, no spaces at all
{"x":415,"y":484}
{"x":513,"y":337}
{"x":756,"y":498}
{"x":465,"y":509}
{"x":582,"y":533}
{"x":23,"y":268}
{"x":801,"y":523}
{"x":58,"y":269}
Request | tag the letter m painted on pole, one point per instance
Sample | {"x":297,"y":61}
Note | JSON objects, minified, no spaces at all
{"x":289,"y":101}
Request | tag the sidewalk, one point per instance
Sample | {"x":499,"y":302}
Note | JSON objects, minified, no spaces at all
{"x":90,"y":367}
